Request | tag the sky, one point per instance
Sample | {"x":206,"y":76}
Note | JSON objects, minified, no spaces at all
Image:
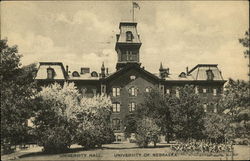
{"x":176,"y":33}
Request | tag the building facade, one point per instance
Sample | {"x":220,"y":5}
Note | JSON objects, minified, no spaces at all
{"x":128,"y":84}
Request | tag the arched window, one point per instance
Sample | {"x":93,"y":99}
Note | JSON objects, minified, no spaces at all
{"x":94,"y":74}
{"x":50,"y":73}
{"x":133,"y":91}
{"x":116,"y":124}
{"x":129,"y":36}
{"x":116,"y":107}
{"x":75,"y":74}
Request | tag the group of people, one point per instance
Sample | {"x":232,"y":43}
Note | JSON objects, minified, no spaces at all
{"x":202,"y":147}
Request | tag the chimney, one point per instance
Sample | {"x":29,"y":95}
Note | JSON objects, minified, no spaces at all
{"x":107,"y":71}
{"x":85,"y":70}
{"x":67,"y":69}
{"x":187,"y":70}
{"x":103,"y":70}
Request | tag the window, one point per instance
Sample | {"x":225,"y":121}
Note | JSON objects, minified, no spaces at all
{"x":50,"y":73}
{"x":133,"y":91}
{"x":75,"y":74}
{"x":214,"y":92}
{"x":215,"y":109}
{"x":196,"y":90}
{"x":177,"y":93}
{"x":116,"y":107}
{"x":205,"y":107}
{"x":167,"y":91}
{"x":116,"y":91}
{"x":148,"y":89}
{"x":131,"y":106}
{"x":84,"y":91}
{"x":129,"y":36}
{"x":132,"y":77}
{"x":204,"y":90}
{"x":116,"y":124}
{"x":210,"y":74}
{"x":94,"y":91}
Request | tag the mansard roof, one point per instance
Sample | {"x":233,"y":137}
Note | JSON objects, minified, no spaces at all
{"x":199,"y":72}
{"x":128,"y":27}
{"x":60,"y":72}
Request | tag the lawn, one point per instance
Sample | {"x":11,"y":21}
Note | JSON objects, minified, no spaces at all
{"x":126,"y":151}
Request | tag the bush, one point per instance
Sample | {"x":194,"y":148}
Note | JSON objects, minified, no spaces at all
{"x":56,"y":140}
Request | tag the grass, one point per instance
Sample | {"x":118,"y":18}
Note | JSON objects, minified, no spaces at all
{"x":129,"y":151}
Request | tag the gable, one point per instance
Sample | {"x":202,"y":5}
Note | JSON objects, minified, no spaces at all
{"x":125,"y":73}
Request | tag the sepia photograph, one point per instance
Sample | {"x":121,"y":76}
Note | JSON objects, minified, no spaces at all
{"x":125,"y":80}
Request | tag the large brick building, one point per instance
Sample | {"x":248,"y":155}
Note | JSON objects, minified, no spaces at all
{"x":127,"y":85}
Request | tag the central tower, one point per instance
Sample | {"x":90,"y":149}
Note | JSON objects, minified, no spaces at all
{"x":127,"y":45}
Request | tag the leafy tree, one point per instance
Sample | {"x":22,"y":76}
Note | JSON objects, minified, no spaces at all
{"x":93,"y":121}
{"x":17,"y":93}
{"x":218,"y":127}
{"x":235,"y":103}
{"x":147,"y":131}
{"x":130,"y":125}
{"x":246,"y":43}
{"x":187,"y":114}
{"x":157,"y":106}
{"x":54,"y":120}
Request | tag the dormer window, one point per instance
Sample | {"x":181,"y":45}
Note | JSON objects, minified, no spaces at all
{"x":50,"y":73}
{"x":75,"y":74}
{"x":129,"y":36}
{"x":210,"y":74}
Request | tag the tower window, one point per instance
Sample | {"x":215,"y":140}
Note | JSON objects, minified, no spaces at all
{"x":50,"y":73}
{"x":129,"y":36}
{"x":116,"y":91}
{"x":204,"y":90}
{"x":116,"y":124}
{"x":116,"y":107}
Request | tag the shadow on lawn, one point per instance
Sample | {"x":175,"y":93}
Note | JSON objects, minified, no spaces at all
{"x":74,"y":150}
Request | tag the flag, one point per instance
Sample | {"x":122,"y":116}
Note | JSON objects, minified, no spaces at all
{"x":136,"y":5}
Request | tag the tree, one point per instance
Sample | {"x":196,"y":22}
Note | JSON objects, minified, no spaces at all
{"x":147,"y":131}
{"x":54,"y":120}
{"x":218,"y":127}
{"x":130,"y":125}
{"x":17,"y":93}
{"x":246,"y":43}
{"x":157,"y":106}
{"x":93,"y":121}
{"x":235,"y":103}
{"x":187,"y":114}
